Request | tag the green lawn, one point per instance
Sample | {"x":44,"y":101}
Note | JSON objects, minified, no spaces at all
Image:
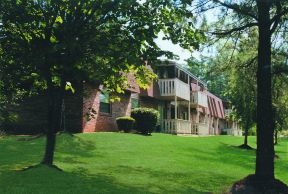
{"x":130,"y":163}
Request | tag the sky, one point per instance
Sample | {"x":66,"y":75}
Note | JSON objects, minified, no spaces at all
{"x":183,"y":53}
{"x":176,"y":49}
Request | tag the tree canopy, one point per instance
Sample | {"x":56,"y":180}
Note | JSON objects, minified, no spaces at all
{"x":48,"y":44}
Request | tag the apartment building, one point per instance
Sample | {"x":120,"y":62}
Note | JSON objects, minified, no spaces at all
{"x":184,"y":102}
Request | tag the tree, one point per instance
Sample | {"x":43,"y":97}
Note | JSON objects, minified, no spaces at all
{"x":208,"y":71}
{"x":242,"y":92}
{"x":279,"y":85}
{"x":50,"y":44}
{"x":241,"y":73}
{"x":230,"y":74}
{"x":280,"y":104}
{"x":270,"y":18}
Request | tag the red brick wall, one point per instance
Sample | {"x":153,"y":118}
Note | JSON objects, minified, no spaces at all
{"x":90,"y":104}
{"x":107,"y":122}
{"x":94,"y":120}
{"x":151,"y":91}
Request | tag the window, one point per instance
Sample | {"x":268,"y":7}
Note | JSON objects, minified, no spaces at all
{"x":134,"y":100}
{"x":105,"y":105}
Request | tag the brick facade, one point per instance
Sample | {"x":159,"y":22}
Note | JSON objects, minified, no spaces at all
{"x":83,"y":113}
{"x":94,"y":120}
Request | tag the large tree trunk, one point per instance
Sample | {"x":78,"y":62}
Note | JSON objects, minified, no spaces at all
{"x":246,"y":134}
{"x":246,"y":137}
{"x":276,"y":137}
{"x":265,"y":122}
{"x":55,"y":95}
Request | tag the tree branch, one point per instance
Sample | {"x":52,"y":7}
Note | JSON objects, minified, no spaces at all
{"x":277,"y":18}
{"x":280,"y":70}
{"x":249,"y":63}
{"x":237,"y":8}
{"x":227,"y":32}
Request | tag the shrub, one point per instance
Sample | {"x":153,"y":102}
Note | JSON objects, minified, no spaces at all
{"x":284,"y":133}
{"x":145,"y":119}
{"x":252,"y":131}
{"x":125,"y":123}
{"x":2,"y":133}
{"x":223,"y":132}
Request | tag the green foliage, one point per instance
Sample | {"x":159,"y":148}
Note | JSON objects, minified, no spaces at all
{"x":91,"y":40}
{"x":232,"y":75}
{"x":209,"y":71}
{"x":284,"y":133}
{"x":69,"y":86}
{"x":8,"y":103}
{"x":2,"y":133}
{"x":252,"y":131}
{"x":280,"y":96}
{"x":145,"y":119}
{"x":45,"y":44}
{"x":125,"y":123}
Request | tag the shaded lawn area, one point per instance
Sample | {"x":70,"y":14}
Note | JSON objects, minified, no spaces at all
{"x":130,"y":163}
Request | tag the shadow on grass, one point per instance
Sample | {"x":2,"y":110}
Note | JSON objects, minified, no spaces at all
{"x":179,"y":181}
{"x":69,"y":147}
{"x":236,"y":156}
{"x":20,"y":153}
{"x":42,"y":179}
{"x":245,"y":147}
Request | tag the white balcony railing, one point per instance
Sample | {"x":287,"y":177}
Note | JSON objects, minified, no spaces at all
{"x":234,"y":132}
{"x":174,"y":87}
{"x":198,"y":98}
{"x":200,"y":129}
{"x":176,"y":126}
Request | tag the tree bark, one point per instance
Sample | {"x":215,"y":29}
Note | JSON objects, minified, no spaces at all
{"x":265,"y":127}
{"x":246,"y":137}
{"x":55,"y":96}
{"x":276,"y":137}
{"x":246,"y":133}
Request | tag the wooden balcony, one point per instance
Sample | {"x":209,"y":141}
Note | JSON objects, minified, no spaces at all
{"x":176,"y":126}
{"x":199,"y":99}
{"x":169,"y":88}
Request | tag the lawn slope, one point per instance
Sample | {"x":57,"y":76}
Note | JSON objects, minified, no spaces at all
{"x":130,"y":163}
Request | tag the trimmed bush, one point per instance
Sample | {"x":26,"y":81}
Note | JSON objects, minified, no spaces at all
{"x":145,"y":119}
{"x":223,"y":133}
{"x":125,"y":123}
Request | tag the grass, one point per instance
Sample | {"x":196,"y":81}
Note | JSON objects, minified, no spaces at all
{"x":130,"y":163}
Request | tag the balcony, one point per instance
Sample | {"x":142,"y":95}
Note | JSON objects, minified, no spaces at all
{"x":200,"y":129}
{"x":169,"y":88}
{"x":234,"y":132}
{"x":176,"y":126}
{"x":199,"y":99}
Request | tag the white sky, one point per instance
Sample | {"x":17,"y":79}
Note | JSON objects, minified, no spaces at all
{"x":176,"y":49}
